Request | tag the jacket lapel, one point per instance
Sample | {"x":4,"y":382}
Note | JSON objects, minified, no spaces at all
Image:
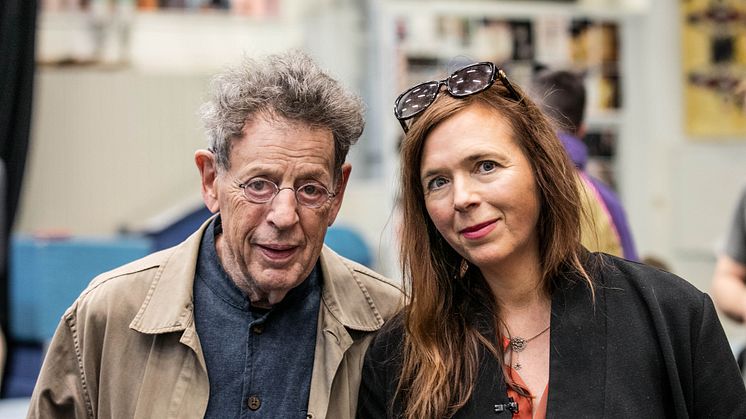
{"x":168,"y":306}
{"x":345,"y":306}
{"x":490,"y":392}
{"x":577,"y":366}
{"x":167,"y":310}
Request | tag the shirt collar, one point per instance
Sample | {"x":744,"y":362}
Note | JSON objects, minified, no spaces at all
{"x":211,"y":271}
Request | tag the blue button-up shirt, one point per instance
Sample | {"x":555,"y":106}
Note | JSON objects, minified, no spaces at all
{"x":259,"y":361}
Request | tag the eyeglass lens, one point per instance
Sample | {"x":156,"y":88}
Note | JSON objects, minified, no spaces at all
{"x":262,"y":190}
{"x":470,"y":80}
{"x":416,"y":99}
{"x":463,"y":82}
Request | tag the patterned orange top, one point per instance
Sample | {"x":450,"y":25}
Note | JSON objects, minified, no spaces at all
{"x":527,"y":409}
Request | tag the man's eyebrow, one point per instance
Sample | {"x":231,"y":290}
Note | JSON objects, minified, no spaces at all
{"x":273,"y":170}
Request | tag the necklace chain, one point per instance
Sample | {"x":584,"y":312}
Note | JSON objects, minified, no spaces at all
{"x":518,"y":344}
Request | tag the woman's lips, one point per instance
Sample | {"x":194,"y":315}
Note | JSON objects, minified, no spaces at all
{"x":479,"y":230}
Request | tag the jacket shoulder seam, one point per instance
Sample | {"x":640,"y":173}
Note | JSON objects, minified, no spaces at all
{"x":103,"y":278}
{"x":71,"y":323}
{"x":156,"y":260}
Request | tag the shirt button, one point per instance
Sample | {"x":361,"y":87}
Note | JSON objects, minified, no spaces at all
{"x":254,"y":402}
{"x":258,"y":329}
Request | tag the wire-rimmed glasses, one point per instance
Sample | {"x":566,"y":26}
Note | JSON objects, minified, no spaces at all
{"x":260,"y":191}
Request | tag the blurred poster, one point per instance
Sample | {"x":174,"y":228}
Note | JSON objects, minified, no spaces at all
{"x":594,"y":50}
{"x":714,"y":61}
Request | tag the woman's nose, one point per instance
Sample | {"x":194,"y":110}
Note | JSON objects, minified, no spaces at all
{"x":465,"y":194}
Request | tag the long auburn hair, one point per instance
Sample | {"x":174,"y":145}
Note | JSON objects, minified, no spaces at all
{"x":450,"y":301}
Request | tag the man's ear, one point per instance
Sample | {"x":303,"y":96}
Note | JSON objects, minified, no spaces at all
{"x":208,"y":171}
{"x":337,"y":203}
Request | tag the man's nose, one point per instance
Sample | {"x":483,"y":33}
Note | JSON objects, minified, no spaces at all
{"x":283,"y":211}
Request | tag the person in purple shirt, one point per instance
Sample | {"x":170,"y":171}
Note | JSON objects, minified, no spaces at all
{"x":561,"y":95}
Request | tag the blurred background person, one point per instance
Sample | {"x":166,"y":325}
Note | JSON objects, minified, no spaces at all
{"x":729,"y":279}
{"x":562,"y":96}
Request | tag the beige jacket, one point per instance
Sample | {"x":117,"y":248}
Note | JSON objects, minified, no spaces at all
{"x":128,"y":347}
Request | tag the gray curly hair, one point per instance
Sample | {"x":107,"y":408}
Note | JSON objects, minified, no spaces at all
{"x":289,"y":85}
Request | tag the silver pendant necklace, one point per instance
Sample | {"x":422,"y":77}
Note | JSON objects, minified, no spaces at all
{"x":518,"y":344}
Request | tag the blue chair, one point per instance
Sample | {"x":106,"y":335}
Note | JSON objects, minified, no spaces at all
{"x":46,"y":276}
{"x":178,"y":230}
{"x":349,"y":242}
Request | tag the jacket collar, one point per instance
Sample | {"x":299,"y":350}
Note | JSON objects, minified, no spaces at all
{"x":346,"y":298}
{"x":168,"y":306}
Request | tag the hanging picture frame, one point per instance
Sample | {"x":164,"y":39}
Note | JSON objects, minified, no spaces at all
{"x":713,"y":36}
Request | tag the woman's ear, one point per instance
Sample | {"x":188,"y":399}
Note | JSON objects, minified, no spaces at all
{"x":207,"y":166}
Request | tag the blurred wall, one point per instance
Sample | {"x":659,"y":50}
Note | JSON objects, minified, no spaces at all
{"x":109,"y":147}
{"x":679,"y":191}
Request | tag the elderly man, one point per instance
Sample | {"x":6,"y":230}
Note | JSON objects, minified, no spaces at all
{"x":251,"y":316}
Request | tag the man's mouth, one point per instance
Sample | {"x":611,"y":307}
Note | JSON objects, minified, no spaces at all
{"x":277,"y":252}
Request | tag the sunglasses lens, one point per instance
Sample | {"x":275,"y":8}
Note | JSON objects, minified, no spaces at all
{"x":470,"y":80}
{"x":416,"y":99}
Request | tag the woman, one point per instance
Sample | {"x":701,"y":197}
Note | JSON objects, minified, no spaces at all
{"x":509,"y":314}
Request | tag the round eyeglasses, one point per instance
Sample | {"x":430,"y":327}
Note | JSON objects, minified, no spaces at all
{"x":261,"y":191}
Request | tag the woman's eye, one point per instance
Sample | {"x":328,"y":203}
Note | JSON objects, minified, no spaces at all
{"x":487,"y":166}
{"x":437,"y":183}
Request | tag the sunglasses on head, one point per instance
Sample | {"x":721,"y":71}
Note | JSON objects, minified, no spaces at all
{"x":466,"y":81}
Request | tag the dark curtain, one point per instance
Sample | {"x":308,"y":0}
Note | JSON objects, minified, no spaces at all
{"x":17,"y":38}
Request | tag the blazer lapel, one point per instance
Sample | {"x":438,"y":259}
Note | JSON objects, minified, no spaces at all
{"x":489,"y":391}
{"x":577,"y":360}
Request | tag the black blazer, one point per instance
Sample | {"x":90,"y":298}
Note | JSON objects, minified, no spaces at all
{"x":651,"y":347}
